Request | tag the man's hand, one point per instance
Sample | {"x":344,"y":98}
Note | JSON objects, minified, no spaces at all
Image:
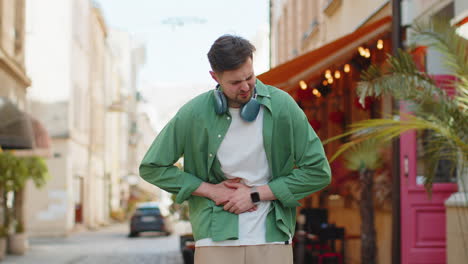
{"x":219,"y":193}
{"x":239,"y":201}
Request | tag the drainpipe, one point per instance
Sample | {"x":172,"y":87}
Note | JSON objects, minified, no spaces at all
{"x":396,"y":211}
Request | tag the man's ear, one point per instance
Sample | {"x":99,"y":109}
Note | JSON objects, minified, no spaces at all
{"x":214,"y":76}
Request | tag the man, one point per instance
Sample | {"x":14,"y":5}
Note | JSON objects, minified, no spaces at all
{"x":249,"y":156}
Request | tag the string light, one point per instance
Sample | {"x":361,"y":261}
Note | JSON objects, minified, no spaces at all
{"x":303,"y":85}
{"x":347,"y":68}
{"x":328,"y":74}
{"x":380,"y":44}
{"x":325,"y":83}
{"x":361,"y":51}
{"x":367,"y":53}
{"x":315,"y":91}
{"x":319,"y":94}
{"x":330,"y":81}
{"x":337,"y":74}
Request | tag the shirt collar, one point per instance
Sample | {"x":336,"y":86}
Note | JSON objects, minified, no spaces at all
{"x":263,"y":94}
{"x":262,"y":90}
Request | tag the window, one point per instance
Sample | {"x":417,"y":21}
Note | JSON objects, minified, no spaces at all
{"x":19,"y":26}
{"x":1,"y":20}
{"x":446,"y":170}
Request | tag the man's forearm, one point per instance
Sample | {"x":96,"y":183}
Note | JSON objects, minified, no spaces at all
{"x":265,"y":193}
{"x":204,"y":190}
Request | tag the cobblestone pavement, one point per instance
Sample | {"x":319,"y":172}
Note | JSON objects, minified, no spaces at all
{"x":109,"y":245}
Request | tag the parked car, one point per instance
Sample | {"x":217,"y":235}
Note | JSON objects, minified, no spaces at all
{"x":147,"y":217}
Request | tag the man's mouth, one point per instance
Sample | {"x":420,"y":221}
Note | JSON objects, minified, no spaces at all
{"x":243,"y":95}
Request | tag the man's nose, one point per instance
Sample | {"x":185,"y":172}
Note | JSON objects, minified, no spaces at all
{"x":245,"y":87}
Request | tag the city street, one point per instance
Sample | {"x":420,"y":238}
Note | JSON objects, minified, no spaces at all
{"x":109,"y":245}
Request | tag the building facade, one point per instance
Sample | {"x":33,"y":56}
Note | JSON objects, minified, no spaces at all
{"x":299,"y":27}
{"x":130,"y":56}
{"x":59,"y":97}
{"x":13,"y":78}
{"x":455,"y":239}
{"x":79,"y":91}
{"x":319,"y":48}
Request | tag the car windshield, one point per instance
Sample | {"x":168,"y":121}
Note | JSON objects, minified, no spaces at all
{"x":148,"y":211}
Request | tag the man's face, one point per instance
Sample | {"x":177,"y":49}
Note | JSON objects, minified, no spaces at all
{"x":237,"y":85}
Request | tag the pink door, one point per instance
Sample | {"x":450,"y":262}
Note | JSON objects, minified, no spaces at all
{"x":423,"y":235}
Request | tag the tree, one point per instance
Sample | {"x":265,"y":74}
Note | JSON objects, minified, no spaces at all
{"x":14,"y":174}
{"x":36,"y":170}
{"x":366,"y":158}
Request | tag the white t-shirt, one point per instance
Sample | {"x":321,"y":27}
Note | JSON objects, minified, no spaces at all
{"x":242,"y":155}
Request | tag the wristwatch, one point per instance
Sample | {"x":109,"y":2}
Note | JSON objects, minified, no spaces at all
{"x":254,"y":195}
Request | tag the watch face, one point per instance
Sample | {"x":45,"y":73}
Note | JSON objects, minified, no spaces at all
{"x":255,"y":197}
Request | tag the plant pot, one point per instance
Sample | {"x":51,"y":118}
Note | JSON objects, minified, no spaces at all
{"x":17,"y":243}
{"x":3,"y":247}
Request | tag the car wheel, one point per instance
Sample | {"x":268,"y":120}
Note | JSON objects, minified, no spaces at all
{"x":133,"y":234}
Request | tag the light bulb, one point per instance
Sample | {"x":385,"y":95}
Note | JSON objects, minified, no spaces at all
{"x":337,"y":74}
{"x":303,"y":85}
{"x":380,"y":44}
{"x":347,"y":68}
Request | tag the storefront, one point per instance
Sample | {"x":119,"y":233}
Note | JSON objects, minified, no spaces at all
{"x":323,"y":82}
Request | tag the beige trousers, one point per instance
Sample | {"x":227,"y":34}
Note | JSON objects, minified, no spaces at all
{"x":267,"y":254}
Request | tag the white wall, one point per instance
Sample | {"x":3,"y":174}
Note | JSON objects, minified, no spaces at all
{"x":47,"y":49}
{"x":49,"y":209}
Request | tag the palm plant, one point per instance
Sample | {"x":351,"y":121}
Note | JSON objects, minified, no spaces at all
{"x":430,"y":107}
{"x":366,"y":158}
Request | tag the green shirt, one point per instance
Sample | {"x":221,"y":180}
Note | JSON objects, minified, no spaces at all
{"x":295,"y":154}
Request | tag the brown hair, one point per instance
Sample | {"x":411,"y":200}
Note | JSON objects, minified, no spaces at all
{"x":229,"y":52}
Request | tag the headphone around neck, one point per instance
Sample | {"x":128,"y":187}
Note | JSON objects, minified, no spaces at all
{"x":248,"y":112}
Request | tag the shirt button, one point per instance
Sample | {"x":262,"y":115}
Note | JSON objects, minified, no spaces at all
{"x":228,"y":117}
{"x":211,"y":155}
{"x":219,"y":135}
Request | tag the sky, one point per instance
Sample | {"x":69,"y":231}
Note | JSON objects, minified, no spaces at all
{"x":176,"y":66}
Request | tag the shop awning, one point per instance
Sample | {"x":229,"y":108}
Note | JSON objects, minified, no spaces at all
{"x":15,"y":127}
{"x":21,"y":133}
{"x":309,"y":65}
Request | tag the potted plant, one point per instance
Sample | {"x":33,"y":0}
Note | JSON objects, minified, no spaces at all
{"x":12,"y":171}
{"x":34,"y":168}
{"x":14,"y":174}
